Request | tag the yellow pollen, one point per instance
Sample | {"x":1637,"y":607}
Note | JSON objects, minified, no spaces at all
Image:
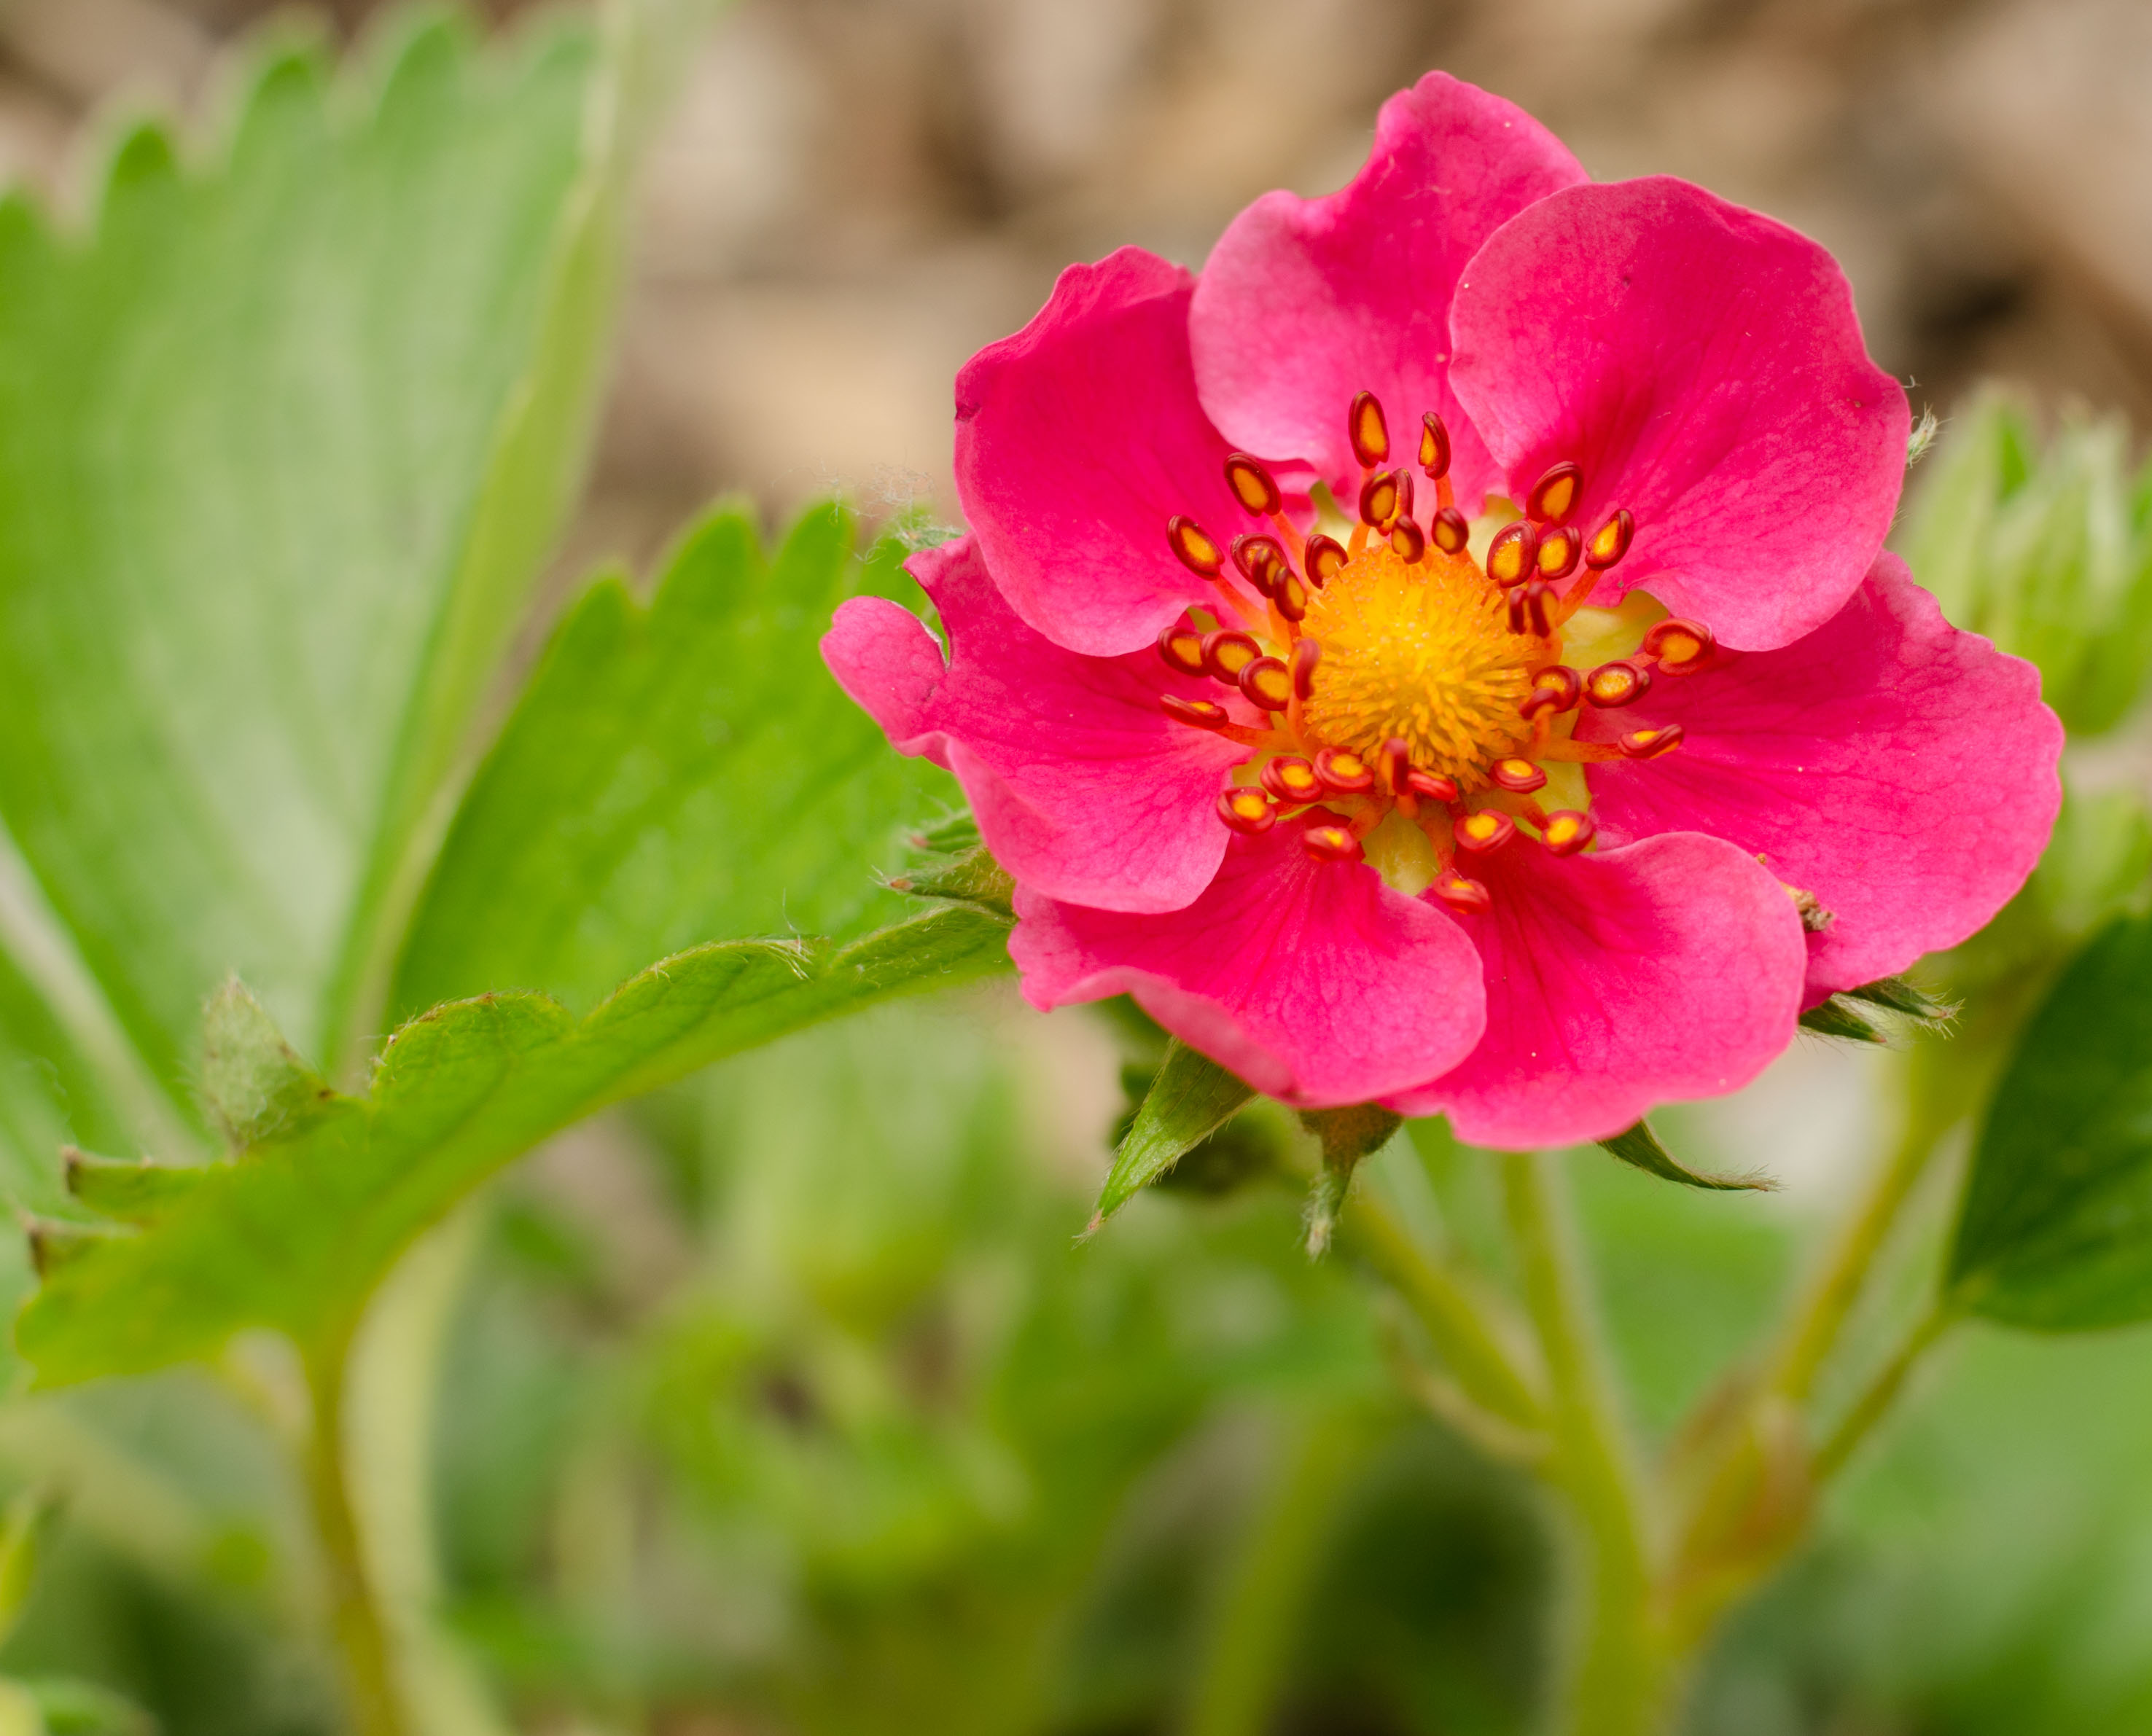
{"x":1422,"y":651}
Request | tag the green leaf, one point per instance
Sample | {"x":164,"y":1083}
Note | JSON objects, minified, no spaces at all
{"x":137,"y":1194}
{"x":2055,"y":1231}
{"x":282,"y":444}
{"x":674,"y":773}
{"x":1191,"y":1099}
{"x":50,"y":1095}
{"x":295,"y":1234}
{"x":1640,"y":1148}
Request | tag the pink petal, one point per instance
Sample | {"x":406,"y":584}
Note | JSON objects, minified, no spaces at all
{"x":1617,"y":981}
{"x":1305,"y":302}
{"x":1076,"y":440}
{"x":1081,"y":786}
{"x":1313,"y":981}
{"x":1703,"y":364}
{"x":1902,"y":771}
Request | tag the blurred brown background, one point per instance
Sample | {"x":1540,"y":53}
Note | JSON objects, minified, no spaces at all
{"x":855,"y":193}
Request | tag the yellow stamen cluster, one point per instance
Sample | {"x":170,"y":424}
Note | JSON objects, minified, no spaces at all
{"x":1421,"y":651}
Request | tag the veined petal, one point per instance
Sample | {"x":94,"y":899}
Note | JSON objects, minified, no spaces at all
{"x":1078,"y":440}
{"x":1615,"y":982}
{"x":1305,"y":302}
{"x":1312,"y":980}
{"x":1081,"y":786}
{"x":1703,"y":365}
{"x":1902,"y":771}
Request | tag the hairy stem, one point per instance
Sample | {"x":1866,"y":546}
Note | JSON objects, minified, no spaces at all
{"x":1622,"y":1673}
{"x":1815,"y":1328}
{"x":1250,"y":1649}
{"x":361,"y":1636}
{"x":1880,"y":1392}
{"x":1447,"y":1310}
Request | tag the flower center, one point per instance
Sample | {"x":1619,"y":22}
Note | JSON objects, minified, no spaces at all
{"x":1421,"y":653}
{"x":1407,"y":697}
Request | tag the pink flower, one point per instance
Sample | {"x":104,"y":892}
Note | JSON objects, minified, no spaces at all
{"x":1537,"y":829}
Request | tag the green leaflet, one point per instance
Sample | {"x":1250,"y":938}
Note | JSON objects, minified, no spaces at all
{"x":295,"y":1233}
{"x":672,"y":773}
{"x":282,"y":446}
{"x":1191,"y":1098}
{"x":2055,"y":1231}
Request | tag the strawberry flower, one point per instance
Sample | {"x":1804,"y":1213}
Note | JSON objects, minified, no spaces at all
{"x":1443,"y":654}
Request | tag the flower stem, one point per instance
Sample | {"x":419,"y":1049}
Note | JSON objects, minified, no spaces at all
{"x":1814,"y":1331}
{"x":360,"y":1634}
{"x":1881,"y":1391}
{"x":1249,"y":1651}
{"x":1621,"y":1675}
{"x":1448,"y":1312}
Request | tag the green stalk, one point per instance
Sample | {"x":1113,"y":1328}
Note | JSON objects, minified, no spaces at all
{"x":1450,"y":1313}
{"x":1622,"y":1675}
{"x":1815,"y":1329}
{"x":1250,"y":1648}
{"x":1880,"y":1392}
{"x":361,"y":1636}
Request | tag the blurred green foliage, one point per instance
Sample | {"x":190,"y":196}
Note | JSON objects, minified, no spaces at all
{"x":2046,"y":547}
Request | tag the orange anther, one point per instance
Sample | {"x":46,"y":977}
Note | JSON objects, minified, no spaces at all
{"x":1182,"y":647}
{"x":1611,"y":541}
{"x":1246,"y":810}
{"x":1343,"y":773}
{"x":1370,"y":433}
{"x":1528,"y":608}
{"x":1559,"y":549}
{"x":1198,"y":549}
{"x":1292,"y":779}
{"x":1521,"y":776}
{"x":1268,"y":683}
{"x":1510,"y":555}
{"x":1260,"y":560}
{"x":1331,"y":843}
{"x":1555,"y":691}
{"x":1553,"y":496}
{"x":1200,"y":713}
{"x":1450,"y":531}
{"x":1326,"y":559}
{"x":1378,"y":499}
{"x":1467,"y":897}
{"x":1291,"y":596}
{"x":1252,"y":485}
{"x":1227,"y":652}
{"x":1567,"y":831}
{"x":1307,"y":653}
{"x":1434,"y":446}
{"x":1431,"y":786}
{"x":1648,"y":744}
{"x":1484,"y":832}
{"x":1614,"y":685}
{"x":1683,"y":647}
{"x":1408,"y":538}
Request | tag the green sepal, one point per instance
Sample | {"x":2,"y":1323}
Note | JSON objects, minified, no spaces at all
{"x":1348,"y":1135}
{"x":1639,"y":1147}
{"x":1190,"y":1100}
{"x":1851,"y":1014}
